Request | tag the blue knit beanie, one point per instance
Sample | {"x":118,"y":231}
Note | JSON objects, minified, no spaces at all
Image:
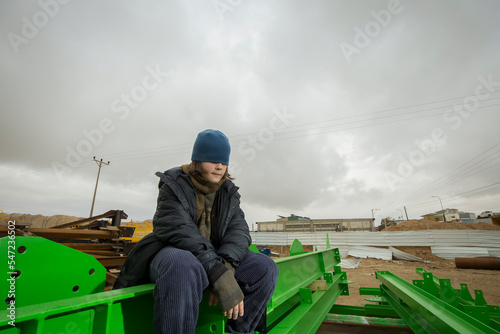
{"x":211,"y":146}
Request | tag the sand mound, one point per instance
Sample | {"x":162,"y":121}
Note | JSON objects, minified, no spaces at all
{"x":417,"y":225}
{"x":39,"y":221}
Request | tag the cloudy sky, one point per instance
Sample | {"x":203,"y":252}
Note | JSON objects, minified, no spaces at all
{"x":334,"y":109}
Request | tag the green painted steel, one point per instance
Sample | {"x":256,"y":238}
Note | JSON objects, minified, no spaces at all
{"x":313,"y":307}
{"x":299,"y":271}
{"x":363,"y":291}
{"x":461,"y":298}
{"x":121,"y":311}
{"x":369,"y":310}
{"x":294,"y":308}
{"x":366,"y":321}
{"x":296,"y":248}
{"x":46,"y":270}
{"x":424,"y":312}
{"x":60,"y":290}
{"x":70,"y":273}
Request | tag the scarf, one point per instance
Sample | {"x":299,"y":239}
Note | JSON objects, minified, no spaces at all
{"x":203,"y":188}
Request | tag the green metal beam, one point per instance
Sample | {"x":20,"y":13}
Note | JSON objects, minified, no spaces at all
{"x":366,"y":321}
{"x":42,"y":304}
{"x":306,"y":317}
{"x":461,"y":298}
{"x":299,"y":271}
{"x":69,"y":272}
{"x":425,"y":313}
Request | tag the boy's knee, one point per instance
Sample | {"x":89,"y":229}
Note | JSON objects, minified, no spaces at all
{"x":273,"y":270}
{"x":179,"y":264}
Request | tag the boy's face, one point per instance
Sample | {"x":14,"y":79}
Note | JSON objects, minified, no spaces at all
{"x":213,"y":171}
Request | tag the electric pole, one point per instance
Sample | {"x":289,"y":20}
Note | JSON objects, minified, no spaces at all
{"x":99,"y":163}
{"x":373,"y":216}
{"x":406,"y":212}
{"x":444,"y":216}
{"x":439,"y":198}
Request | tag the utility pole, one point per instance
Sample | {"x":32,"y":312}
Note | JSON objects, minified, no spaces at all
{"x":444,"y":216}
{"x":373,"y":217}
{"x":402,"y":217}
{"x":99,"y":163}
{"x":406,"y":212}
{"x":439,"y":201}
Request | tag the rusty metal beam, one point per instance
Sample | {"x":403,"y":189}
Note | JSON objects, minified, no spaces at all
{"x":109,"y":214}
{"x":90,"y":245}
{"x":63,"y":233}
{"x":111,"y":261}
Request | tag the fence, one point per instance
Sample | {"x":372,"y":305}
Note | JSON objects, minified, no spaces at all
{"x":439,"y":240}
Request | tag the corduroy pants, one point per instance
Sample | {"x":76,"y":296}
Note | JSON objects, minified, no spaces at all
{"x":180,"y":283}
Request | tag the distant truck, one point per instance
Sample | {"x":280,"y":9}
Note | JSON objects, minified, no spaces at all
{"x":488,"y":214}
{"x":485,"y":214}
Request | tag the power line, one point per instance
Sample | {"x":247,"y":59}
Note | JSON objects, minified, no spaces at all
{"x":437,"y":184}
{"x":286,"y":135}
{"x":454,"y":196}
{"x":99,"y":163}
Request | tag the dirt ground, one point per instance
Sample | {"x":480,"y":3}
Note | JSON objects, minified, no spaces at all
{"x":364,"y":276}
{"x":418,"y":225}
{"x":38,"y":221}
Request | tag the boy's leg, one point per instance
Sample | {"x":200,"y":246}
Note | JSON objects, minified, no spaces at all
{"x":257,"y":276}
{"x":180,"y":281}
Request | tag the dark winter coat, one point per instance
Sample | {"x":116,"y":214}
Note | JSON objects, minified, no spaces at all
{"x":174,"y":224}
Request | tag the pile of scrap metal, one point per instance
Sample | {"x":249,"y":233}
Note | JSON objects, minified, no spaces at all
{"x":96,"y":236}
{"x":309,"y":283}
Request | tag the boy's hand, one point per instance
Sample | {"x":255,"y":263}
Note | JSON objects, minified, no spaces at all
{"x":235,"y":311}
{"x":212,"y":300}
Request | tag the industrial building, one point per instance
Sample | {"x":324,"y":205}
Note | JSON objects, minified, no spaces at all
{"x":304,"y":224}
{"x":449,"y":215}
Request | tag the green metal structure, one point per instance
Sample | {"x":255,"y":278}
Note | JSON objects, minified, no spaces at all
{"x":49,"y":288}
{"x":57,"y":289}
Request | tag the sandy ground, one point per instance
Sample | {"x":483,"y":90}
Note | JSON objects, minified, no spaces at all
{"x":38,"y":221}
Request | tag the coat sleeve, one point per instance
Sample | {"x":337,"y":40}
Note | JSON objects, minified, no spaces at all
{"x":236,"y":239}
{"x":175,"y":226}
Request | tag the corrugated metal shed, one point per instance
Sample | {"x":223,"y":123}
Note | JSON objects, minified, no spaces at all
{"x":446,"y":238}
{"x":494,"y":252}
{"x":373,"y":252}
{"x":449,"y":243}
{"x":400,"y":255}
{"x":349,"y":264}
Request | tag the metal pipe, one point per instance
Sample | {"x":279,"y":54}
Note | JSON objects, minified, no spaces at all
{"x":477,"y":263}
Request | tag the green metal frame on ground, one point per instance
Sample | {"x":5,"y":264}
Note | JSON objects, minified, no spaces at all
{"x":58,"y":289}
{"x":49,"y":288}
